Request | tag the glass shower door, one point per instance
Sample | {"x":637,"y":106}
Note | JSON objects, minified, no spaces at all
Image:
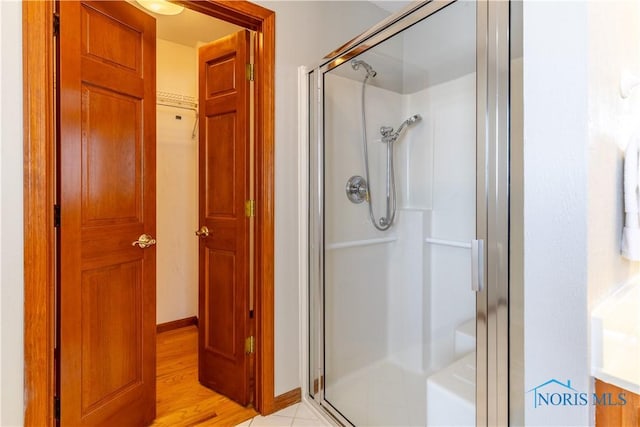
{"x":393,"y":218}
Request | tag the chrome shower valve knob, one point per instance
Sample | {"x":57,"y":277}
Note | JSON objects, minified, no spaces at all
{"x":356,"y":189}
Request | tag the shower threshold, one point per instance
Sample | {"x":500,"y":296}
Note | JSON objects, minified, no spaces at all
{"x":381,"y":394}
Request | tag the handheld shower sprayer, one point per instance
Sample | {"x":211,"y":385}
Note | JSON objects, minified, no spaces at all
{"x":388,"y":135}
{"x":358,"y":189}
{"x":415,"y":118}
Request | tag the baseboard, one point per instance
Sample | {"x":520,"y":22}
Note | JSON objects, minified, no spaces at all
{"x":287,"y":399}
{"x":176,"y":324}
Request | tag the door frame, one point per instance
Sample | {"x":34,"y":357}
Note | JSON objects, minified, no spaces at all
{"x":39,"y":154}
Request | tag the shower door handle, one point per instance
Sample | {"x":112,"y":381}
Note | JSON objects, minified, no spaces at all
{"x":477,"y":265}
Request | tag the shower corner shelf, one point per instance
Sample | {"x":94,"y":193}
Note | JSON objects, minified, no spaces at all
{"x":451,"y":243}
{"x":358,"y":243}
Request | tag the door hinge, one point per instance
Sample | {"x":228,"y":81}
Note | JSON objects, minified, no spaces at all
{"x":250,"y":208}
{"x":249,"y":345}
{"x":250,"y":75}
{"x":56,"y":216}
{"x":56,"y":407}
{"x":56,"y":24}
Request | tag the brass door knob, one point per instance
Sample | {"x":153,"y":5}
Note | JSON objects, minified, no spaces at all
{"x":203,"y":232}
{"x":144,"y":241}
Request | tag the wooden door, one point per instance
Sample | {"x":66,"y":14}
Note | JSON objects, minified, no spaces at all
{"x":224,"y":187}
{"x":107,"y":200}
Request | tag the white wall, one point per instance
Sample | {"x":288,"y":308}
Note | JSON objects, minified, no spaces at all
{"x":555,"y":203}
{"x":576,"y":128}
{"x":612,"y":122}
{"x":177,"y":186}
{"x":11,"y":249}
{"x":305,"y":33}
{"x":1,"y":102}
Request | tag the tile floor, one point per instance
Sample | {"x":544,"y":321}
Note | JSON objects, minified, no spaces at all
{"x":293,"y":416}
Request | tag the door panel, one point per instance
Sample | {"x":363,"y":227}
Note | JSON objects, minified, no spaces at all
{"x":107,"y":200}
{"x":112,"y":180}
{"x":224,"y":187}
{"x":95,"y":25}
{"x":110,"y":329}
{"x":221,"y":292}
{"x":221,"y":166}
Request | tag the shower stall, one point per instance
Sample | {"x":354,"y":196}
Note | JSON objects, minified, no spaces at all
{"x":398,"y":160}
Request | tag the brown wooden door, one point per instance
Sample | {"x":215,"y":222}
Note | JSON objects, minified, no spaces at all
{"x":107,"y":199}
{"x":224,"y":187}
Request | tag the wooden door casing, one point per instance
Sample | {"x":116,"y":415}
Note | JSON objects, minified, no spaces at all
{"x":40,"y":180}
{"x":224,"y":187}
{"x":107,"y":200}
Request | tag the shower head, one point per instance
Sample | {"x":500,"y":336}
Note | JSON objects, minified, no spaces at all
{"x":414,"y":118}
{"x":357,"y":63}
{"x":411,"y":120}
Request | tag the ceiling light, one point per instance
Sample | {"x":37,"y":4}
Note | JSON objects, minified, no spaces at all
{"x":161,"y":7}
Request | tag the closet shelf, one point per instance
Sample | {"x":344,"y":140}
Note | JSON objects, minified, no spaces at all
{"x":177,"y":100}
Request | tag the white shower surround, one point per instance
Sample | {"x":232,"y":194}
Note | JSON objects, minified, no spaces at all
{"x":405,"y":310}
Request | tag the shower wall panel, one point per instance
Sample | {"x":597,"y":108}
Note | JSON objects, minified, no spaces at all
{"x":437,"y":158}
{"x":346,"y":221}
{"x":409,"y":266}
{"x":414,"y":294}
{"x":357,"y":313}
{"x":430,"y":292}
{"x":450,"y":111}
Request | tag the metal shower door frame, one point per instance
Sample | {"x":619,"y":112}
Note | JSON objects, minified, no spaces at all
{"x":492,"y":210}
{"x":492,"y":196}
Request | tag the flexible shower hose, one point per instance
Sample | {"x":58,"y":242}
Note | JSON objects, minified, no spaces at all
{"x":384,"y":223}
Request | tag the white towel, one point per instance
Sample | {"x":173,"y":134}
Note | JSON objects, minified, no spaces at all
{"x":631,"y":233}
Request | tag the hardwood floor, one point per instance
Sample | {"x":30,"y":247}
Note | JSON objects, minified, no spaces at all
{"x":180,"y":399}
